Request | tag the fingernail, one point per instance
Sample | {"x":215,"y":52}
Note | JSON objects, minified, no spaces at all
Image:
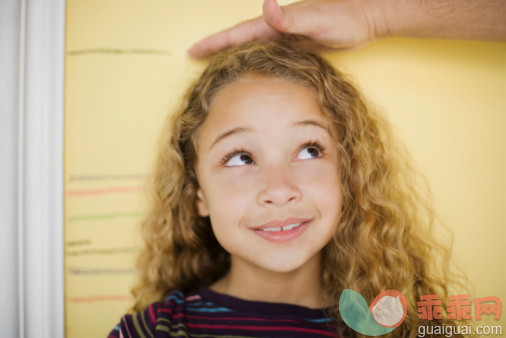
{"x":278,"y":7}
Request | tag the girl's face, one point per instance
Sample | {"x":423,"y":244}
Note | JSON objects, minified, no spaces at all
{"x":266,"y":160}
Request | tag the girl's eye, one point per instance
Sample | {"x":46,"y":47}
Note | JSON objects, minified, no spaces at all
{"x":238,"y":160}
{"x":309,"y":152}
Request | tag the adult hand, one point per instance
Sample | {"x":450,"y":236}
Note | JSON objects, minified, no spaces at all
{"x":316,"y":24}
{"x":344,"y":24}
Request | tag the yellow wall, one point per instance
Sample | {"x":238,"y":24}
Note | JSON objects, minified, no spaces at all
{"x":126,"y":66}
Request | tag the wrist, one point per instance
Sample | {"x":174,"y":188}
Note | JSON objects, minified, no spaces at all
{"x":392,"y":17}
{"x":461,"y":19}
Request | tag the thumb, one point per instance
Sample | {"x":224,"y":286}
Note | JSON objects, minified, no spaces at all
{"x":293,"y":20}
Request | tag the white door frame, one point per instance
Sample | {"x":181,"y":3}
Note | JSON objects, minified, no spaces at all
{"x":32,"y":43}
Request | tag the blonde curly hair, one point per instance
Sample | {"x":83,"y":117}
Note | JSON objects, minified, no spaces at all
{"x":384,"y":239}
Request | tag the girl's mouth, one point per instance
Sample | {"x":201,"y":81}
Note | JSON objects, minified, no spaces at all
{"x":282,"y":233}
{"x":286,"y":227}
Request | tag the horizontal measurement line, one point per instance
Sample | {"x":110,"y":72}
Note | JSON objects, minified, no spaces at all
{"x":107,"y":177}
{"x":117,"y":51}
{"x":95,"y":271}
{"x":104,"y":298}
{"x":102,"y":191}
{"x":101,"y":251}
{"x":103,"y":216}
{"x":79,"y":242}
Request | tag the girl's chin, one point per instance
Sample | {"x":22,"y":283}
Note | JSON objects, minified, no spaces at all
{"x":282,"y":264}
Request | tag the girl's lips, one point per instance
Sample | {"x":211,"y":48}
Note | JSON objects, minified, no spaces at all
{"x":283,"y":235}
{"x":282,"y":223}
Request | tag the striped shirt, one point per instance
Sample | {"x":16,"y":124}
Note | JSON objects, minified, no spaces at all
{"x":210,"y":314}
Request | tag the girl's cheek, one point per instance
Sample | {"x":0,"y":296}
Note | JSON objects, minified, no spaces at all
{"x":318,"y":177}
{"x":320,"y":169}
{"x":237,"y":178}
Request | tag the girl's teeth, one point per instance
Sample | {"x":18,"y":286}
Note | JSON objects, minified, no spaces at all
{"x":272,"y":229}
{"x":286,"y":227}
{"x":291,"y":226}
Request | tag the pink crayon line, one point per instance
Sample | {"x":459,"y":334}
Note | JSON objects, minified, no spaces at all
{"x":84,"y":192}
{"x":99,"y":298}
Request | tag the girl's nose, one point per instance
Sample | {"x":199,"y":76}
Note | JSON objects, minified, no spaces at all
{"x":277,"y":188}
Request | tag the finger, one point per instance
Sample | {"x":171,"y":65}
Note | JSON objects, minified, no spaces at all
{"x":302,"y":18}
{"x":251,"y":30}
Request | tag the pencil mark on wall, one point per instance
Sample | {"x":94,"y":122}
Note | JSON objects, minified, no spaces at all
{"x":97,"y":271}
{"x":102,"y":251}
{"x":107,"y":177}
{"x":117,"y":51}
{"x":104,"y":216}
{"x":102,"y":191}
{"x":79,"y":242}
{"x":100,"y":298}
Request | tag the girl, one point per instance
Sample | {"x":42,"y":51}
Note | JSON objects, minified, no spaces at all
{"x":276,"y":188}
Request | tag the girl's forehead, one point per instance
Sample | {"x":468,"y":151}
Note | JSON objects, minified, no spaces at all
{"x":261,"y":105}
{"x":260,"y":92}
{"x":261,"y":99}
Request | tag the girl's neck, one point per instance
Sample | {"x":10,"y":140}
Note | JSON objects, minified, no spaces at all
{"x":300,"y":287}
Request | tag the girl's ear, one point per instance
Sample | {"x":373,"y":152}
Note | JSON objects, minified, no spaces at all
{"x":201,"y":204}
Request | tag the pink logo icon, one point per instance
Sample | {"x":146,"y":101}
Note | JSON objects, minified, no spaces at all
{"x":389,"y":308}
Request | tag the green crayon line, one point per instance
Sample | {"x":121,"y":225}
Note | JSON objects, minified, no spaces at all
{"x":103,"y":216}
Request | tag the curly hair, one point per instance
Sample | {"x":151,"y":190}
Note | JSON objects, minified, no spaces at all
{"x":384,"y":239}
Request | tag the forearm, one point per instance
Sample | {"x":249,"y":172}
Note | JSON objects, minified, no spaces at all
{"x":454,"y":19}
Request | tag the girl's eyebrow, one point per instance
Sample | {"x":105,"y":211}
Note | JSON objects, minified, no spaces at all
{"x":239,"y":130}
{"x":311,"y":123}
{"x":230,"y":132}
